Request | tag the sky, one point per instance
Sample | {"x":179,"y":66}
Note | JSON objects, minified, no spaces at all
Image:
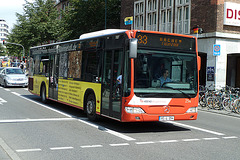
{"x":8,"y":10}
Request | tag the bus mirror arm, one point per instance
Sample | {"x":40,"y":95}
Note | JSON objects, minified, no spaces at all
{"x":133,"y":48}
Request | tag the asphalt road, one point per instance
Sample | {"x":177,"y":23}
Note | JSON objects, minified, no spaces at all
{"x":31,"y":130}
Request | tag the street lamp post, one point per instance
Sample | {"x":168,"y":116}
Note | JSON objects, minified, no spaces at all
{"x":105,"y":14}
{"x":18,"y":45}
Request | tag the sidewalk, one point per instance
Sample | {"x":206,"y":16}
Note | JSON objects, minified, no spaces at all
{"x":6,"y":153}
{"x":223,"y":112}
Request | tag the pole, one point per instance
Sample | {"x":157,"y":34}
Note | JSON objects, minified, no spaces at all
{"x":105,"y":14}
{"x":18,"y":45}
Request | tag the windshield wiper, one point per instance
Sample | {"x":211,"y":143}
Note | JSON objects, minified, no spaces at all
{"x":178,"y":90}
{"x":148,"y":95}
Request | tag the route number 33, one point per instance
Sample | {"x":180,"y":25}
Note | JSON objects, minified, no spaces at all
{"x":142,"y":39}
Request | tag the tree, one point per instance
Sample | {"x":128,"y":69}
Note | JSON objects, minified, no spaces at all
{"x":86,"y":16}
{"x":2,"y":50}
{"x":37,"y":25}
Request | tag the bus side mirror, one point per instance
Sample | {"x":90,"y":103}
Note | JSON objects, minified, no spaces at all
{"x":199,"y":62}
{"x":133,"y":48}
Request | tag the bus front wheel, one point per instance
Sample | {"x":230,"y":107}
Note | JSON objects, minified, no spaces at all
{"x":91,"y":108}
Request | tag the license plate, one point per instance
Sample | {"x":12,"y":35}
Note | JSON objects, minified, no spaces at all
{"x":166,"y":118}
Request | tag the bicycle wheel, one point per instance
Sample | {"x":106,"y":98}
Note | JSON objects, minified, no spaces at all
{"x":216,"y":103}
{"x":226,"y":103}
{"x":210,"y":102}
{"x":237,"y":106}
{"x":202,"y":101}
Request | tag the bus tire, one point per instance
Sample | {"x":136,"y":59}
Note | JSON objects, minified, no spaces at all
{"x":91,"y":107}
{"x":43,"y":94}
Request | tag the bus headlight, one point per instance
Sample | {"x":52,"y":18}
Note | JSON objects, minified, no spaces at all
{"x":134,"y":110}
{"x":192,"y":110}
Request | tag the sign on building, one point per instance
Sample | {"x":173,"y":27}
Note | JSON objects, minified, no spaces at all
{"x":216,"y":49}
{"x":210,"y":73}
{"x":128,"y":20}
{"x":231,"y":14}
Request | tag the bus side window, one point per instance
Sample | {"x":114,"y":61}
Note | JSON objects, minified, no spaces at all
{"x":90,"y":66}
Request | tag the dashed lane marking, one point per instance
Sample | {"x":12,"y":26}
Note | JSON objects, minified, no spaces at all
{"x":119,"y":144}
{"x":190,"y":140}
{"x":29,"y":150}
{"x":149,"y":142}
{"x":209,"y":139}
{"x":127,"y":144}
{"x":169,"y":141}
{"x":61,"y":148}
{"x":92,"y":146}
{"x":232,"y":137}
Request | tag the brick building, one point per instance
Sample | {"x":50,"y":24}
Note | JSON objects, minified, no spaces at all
{"x":219,"y":19}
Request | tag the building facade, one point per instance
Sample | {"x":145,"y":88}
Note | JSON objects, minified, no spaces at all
{"x":3,"y":30}
{"x":218,"y":45}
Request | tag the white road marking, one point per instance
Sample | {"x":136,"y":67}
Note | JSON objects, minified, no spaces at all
{"x":168,"y":141}
{"x":82,"y":120}
{"x":232,"y":137}
{"x":2,"y":101}
{"x":92,"y":146}
{"x":196,"y":128}
{"x":125,"y":144}
{"x":119,"y":144}
{"x":149,"y":142}
{"x":29,"y":150}
{"x":213,"y":138}
{"x":7,"y":89}
{"x":67,"y":115}
{"x":36,"y":120}
{"x":61,"y":148}
{"x":190,"y":140}
{"x":120,"y":135}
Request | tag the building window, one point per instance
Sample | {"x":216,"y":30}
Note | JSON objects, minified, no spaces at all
{"x":152,"y":15}
{"x":139,"y":7}
{"x":166,"y":16}
{"x":182,"y":16}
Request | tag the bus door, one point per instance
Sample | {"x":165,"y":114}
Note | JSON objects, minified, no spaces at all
{"x":112,"y":83}
{"x":53,"y":76}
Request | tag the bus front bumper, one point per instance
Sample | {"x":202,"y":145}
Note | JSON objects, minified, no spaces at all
{"x":158,"y":117}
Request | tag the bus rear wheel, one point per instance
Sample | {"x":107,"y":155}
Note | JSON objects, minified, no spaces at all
{"x":43,"y":94}
{"x":91,"y":108}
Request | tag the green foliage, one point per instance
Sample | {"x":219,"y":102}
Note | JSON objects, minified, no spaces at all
{"x":89,"y":15}
{"x":41,"y":23}
{"x":2,"y":50}
{"x":37,"y":25}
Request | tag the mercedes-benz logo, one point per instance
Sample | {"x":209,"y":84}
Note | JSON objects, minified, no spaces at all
{"x":166,"y":109}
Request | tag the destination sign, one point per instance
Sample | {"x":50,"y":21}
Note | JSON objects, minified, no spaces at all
{"x":166,"y":41}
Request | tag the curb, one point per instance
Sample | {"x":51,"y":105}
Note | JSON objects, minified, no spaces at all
{"x":223,"y":112}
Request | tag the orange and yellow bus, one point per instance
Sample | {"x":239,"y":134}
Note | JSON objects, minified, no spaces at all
{"x":120,"y":74}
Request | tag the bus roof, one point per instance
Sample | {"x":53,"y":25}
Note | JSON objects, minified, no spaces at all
{"x":102,"y":33}
{"x":96,"y":34}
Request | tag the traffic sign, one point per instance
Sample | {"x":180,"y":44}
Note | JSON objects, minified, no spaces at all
{"x":216,"y":49}
{"x":128,"y":20}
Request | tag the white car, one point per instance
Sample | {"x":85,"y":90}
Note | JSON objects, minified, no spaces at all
{"x":13,"y":76}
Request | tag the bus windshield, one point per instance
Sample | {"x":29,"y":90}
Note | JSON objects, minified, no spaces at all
{"x":163,"y":74}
